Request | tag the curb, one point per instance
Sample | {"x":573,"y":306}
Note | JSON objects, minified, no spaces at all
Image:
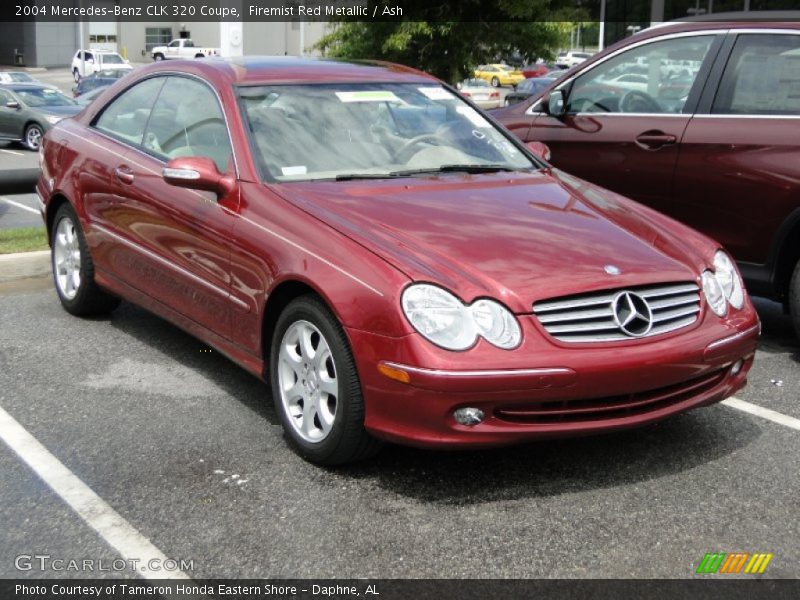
{"x":24,"y":264}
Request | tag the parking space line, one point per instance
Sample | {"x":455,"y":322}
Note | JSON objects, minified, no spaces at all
{"x":22,"y":206}
{"x":90,"y":507}
{"x":12,"y":152}
{"x":764,"y":413}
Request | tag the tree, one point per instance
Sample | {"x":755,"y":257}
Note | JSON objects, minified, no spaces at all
{"x":449,"y":40}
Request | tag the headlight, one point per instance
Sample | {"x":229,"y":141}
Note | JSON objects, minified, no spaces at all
{"x":443,"y":319}
{"x":496,"y":323}
{"x":714,"y":294}
{"x":728,"y":279}
{"x":439,"y":316}
{"x":53,"y":119}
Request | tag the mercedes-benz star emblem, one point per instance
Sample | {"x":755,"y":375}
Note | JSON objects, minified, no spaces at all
{"x":612,"y":269}
{"x":632,"y":314}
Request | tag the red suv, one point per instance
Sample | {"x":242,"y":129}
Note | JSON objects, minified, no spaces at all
{"x":698,"y":120}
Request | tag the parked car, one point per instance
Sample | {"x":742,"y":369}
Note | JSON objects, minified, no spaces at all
{"x":87,"y":62}
{"x":89,"y":97}
{"x":571,"y":58}
{"x":528,"y":88}
{"x":183,"y":48}
{"x":102,"y":78}
{"x":480,"y":93}
{"x":498,"y":75}
{"x":17,"y":77}
{"x":535,"y":70}
{"x":28,"y":110}
{"x":397,"y":268}
{"x":709,"y":139}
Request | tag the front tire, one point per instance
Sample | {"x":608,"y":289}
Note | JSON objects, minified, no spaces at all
{"x":76,"y":75}
{"x":158,"y":57}
{"x":794,"y":298}
{"x":315,"y":386}
{"x":73,"y":269}
{"x":33,"y":136}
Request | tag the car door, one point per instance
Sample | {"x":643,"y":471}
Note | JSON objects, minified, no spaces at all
{"x":623,"y":135}
{"x":181,"y":236}
{"x":174,"y":49}
{"x":738,"y":175}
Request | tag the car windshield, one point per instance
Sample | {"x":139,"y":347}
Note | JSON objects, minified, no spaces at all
{"x":38,"y":97}
{"x":112,"y":59}
{"x":352,"y":131}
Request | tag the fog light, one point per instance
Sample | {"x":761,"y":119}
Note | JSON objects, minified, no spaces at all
{"x":737,"y":366}
{"x":468,"y":416}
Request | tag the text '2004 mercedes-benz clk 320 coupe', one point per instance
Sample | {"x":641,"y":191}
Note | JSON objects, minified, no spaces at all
{"x":394,"y":264}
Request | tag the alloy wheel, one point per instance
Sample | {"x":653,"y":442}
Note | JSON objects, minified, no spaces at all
{"x":67,"y":259}
{"x":307,"y":381}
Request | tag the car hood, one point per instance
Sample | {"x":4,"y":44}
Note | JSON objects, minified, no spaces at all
{"x":60,"y":111}
{"x":518,"y":238}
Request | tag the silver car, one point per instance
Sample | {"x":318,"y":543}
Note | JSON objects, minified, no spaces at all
{"x":28,"y":110}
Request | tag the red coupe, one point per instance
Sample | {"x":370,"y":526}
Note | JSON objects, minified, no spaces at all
{"x":393,"y":263}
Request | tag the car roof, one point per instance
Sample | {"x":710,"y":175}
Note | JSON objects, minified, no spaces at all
{"x":767,"y":19}
{"x":20,"y":86}
{"x":255,"y":70}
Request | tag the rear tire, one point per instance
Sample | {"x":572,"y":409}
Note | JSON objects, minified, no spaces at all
{"x":495,"y":82}
{"x":73,"y":269}
{"x":794,"y":298}
{"x":315,"y":386}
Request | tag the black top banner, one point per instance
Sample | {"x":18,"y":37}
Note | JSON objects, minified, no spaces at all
{"x":358,"y":10}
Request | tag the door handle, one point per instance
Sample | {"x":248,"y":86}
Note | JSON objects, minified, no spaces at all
{"x":124,"y":174}
{"x":653,"y":140}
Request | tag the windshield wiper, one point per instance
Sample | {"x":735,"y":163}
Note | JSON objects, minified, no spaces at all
{"x":432,"y":171}
{"x":453,"y":169}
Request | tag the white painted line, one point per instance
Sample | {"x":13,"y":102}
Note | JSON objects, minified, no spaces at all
{"x":764,"y":413}
{"x":12,"y":152}
{"x":22,"y":206}
{"x":95,"y":511}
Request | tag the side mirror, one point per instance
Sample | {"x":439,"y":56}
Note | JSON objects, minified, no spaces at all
{"x":556,"y":104}
{"x":12,"y":104}
{"x":197,"y":173}
{"x":539,"y":149}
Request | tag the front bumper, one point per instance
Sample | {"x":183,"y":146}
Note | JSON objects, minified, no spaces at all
{"x":546,"y":388}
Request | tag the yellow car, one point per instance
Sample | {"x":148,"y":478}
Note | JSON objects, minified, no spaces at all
{"x":499,"y":75}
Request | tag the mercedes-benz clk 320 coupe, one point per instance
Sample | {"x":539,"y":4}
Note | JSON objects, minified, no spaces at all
{"x":393,"y":263}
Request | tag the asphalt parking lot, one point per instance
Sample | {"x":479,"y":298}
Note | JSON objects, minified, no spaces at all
{"x":182,"y":453}
{"x":187,"y":449}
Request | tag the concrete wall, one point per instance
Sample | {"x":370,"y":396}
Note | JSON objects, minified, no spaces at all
{"x":56,"y":44}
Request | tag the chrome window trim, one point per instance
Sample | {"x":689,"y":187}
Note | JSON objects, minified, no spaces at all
{"x":669,"y":36}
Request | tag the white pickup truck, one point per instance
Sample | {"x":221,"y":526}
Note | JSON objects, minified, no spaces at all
{"x":183,"y":48}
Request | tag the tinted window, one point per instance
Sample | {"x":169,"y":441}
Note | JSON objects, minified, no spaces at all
{"x":665,"y":72}
{"x":187,"y":121}
{"x":127,"y":115}
{"x":762,"y":77}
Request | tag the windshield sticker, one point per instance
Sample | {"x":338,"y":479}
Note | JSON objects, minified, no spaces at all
{"x":297,"y":170}
{"x":368,"y":96}
{"x":474,"y":117}
{"x":436,"y":93}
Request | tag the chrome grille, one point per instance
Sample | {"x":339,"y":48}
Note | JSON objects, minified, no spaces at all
{"x":591,"y":317}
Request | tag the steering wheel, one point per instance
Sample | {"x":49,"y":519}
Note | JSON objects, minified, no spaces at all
{"x":639,"y":102}
{"x":185,"y":131}
{"x":406,"y":148}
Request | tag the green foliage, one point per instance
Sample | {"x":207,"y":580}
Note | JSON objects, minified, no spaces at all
{"x":455,"y":37}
